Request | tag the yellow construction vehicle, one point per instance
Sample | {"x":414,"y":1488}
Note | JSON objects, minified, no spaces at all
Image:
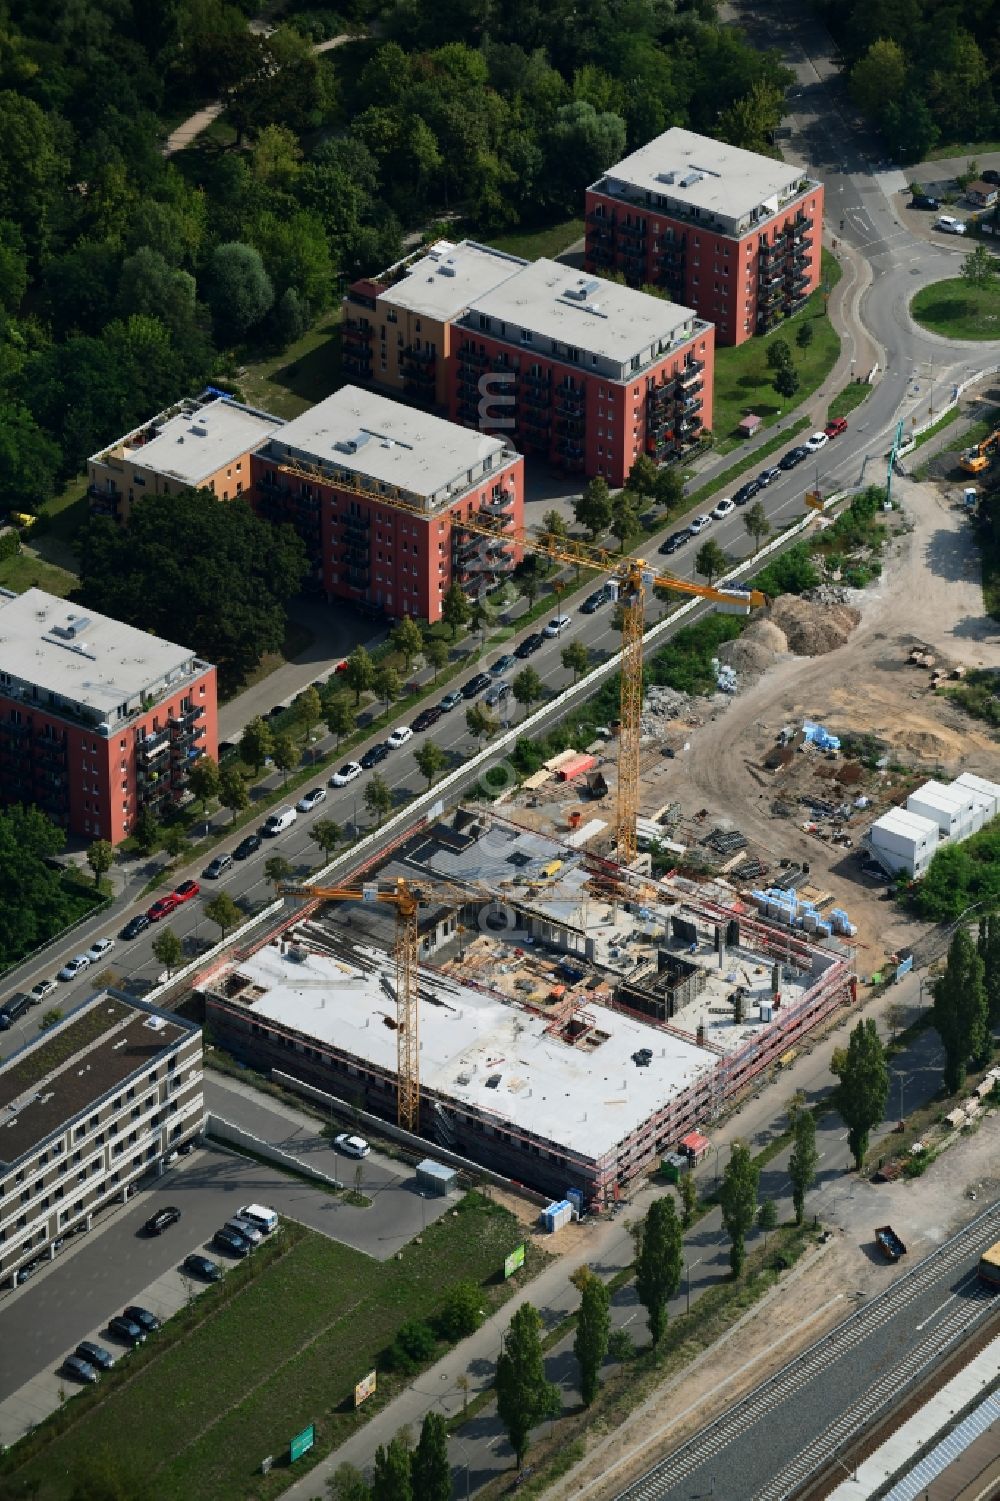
{"x":975,"y":460}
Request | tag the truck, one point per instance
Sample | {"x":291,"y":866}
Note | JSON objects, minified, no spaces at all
{"x":889,"y":1243}
{"x":989,"y":1266}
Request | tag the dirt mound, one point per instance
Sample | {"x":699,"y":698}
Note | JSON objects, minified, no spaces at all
{"x":810,"y":628}
{"x":767,"y":634}
{"x":751,"y":654}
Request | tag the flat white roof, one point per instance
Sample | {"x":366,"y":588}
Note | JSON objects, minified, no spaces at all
{"x":81,"y":657}
{"x":474,"y":1048}
{"x":442,"y":283}
{"x":909,"y":825}
{"x":359,"y":433}
{"x":563,"y":308}
{"x":706,"y":174}
{"x":976,"y":783}
{"x":190,"y":446}
{"x":940,"y":795}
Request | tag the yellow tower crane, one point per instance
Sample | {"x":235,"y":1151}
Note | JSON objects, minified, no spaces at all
{"x":632,"y":576}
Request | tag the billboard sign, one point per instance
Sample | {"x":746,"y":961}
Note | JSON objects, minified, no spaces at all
{"x":514,"y":1260}
{"x":302,"y":1443}
{"x":365,"y":1388}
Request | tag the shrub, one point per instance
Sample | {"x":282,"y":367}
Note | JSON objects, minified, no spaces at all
{"x":461,"y":1312}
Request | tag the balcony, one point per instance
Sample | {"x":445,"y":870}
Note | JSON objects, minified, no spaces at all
{"x":103,"y":502}
{"x":153,"y":745}
{"x":595,"y":218}
{"x":357,"y":331}
{"x":356,"y":365}
{"x":690,"y":372}
{"x":355,"y":528}
{"x":188,"y":718}
{"x":470,"y":355}
{"x":601,"y":255}
{"x":632,"y":234}
{"x":569,"y":400}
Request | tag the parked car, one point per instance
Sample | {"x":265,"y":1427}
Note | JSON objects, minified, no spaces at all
{"x":41,"y":990}
{"x":203,"y":1267}
{"x":503,"y":664}
{"x":278,"y":821}
{"x":247,"y":847}
{"x":426,"y":718}
{"x":767,"y":475}
{"x":347,"y":773}
{"x":990,"y":175}
{"x":399,"y":736}
{"x":475,"y":685}
{"x":126,"y":1331}
{"x":81,"y":1370}
{"x":746,"y":492}
{"x":99,"y":949}
{"x":949,"y":225}
{"x":164,"y":905}
{"x":450,"y":701}
{"x":496,"y":694}
{"x":187,"y":890}
{"x":72,"y":967}
{"x":793,"y":456}
{"x":699,"y":524}
{"x":725,"y":508}
{"x":95,"y":1355}
{"x":12,"y":1010}
{"x":311,"y":799}
{"x":594,"y":601}
{"x":674,"y":541}
{"x":816,"y":442}
{"x":147,"y":1321}
{"x":925,"y":201}
{"x":555,"y":627}
{"x":246,"y":1228}
{"x":134,"y":927}
{"x":162,"y":1220}
{"x":374,"y":755}
{"x":261,"y":1215}
{"x":217,"y":867}
{"x":835,"y":427}
{"x":232,"y":1242}
{"x":351,"y":1146}
{"x":529,"y":646}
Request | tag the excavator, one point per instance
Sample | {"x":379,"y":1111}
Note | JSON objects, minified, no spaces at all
{"x":975,"y":460}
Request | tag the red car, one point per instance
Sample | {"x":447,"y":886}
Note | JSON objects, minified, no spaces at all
{"x":164,"y":906}
{"x":186,"y":890}
{"x":836,"y":427}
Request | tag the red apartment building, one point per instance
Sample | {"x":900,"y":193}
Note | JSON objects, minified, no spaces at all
{"x":584,"y":373}
{"x":376,"y":489}
{"x":734,"y":235}
{"x":98,"y":720}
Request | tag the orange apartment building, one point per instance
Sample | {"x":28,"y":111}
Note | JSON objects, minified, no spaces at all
{"x":201,"y":443}
{"x":98,"y":720}
{"x":732,"y":234}
{"x":378,"y":489}
{"x":398,"y":327}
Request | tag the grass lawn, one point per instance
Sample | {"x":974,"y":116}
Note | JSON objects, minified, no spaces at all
{"x":287,"y":383}
{"x":744,"y":381}
{"x":550,"y":241}
{"x":957,"y":311}
{"x":846,"y":400}
{"x":285,"y":1351}
{"x":28,"y":571}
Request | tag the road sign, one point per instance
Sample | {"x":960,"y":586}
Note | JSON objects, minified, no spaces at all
{"x":302,"y":1443}
{"x":513,"y":1261}
{"x":365,"y":1388}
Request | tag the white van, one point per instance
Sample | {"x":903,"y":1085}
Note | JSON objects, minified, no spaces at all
{"x":280,"y":820}
{"x":258,"y":1214}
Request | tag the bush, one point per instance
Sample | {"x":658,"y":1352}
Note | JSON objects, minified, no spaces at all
{"x":686,"y":662}
{"x":792,"y":573}
{"x":461,"y":1313}
{"x":10,"y":545}
{"x":417,"y":1340}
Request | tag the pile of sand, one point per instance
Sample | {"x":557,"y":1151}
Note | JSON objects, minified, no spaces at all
{"x":751,"y":654}
{"x":810,"y":628}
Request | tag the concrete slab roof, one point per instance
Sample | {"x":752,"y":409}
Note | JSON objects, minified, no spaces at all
{"x":910,"y":825}
{"x":192,"y":445}
{"x":442,"y":283}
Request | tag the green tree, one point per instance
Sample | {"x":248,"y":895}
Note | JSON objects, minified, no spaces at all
{"x":643,"y":476}
{"x":624,"y":517}
{"x":233,"y":792}
{"x":29,"y":460}
{"x":239,"y":290}
{"x":804,"y":337}
{"x":879,"y":78}
{"x":767,"y":1218}
{"x":658,"y":1263}
{"x":979,"y":268}
{"x":360,"y":673}
{"x":461,"y":1312}
{"x":431,"y":760}
{"x":204,"y":781}
{"x":525,"y":1396}
{"x":710,"y":560}
{"x":100,"y":857}
{"x":688,"y":1190}
{"x":779,"y":355}
{"x":787,"y":381}
{"x":581,"y":144}
{"x":285,"y":754}
{"x":669,"y":488}
{"x":431,"y":1470}
{"x":575,"y":658}
{"x":436,"y":652}
{"x":391,"y":1480}
{"x":864,"y":1087}
{"x":960,"y":1012}
{"x":738,"y":1198}
{"x":308,"y":711}
{"x":386,"y":683}
{"x":527,"y":687}
{"x":481,"y":722}
{"x":593,"y":510}
{"x":554,"y":529}
{"x":528,"y":575}
{"x":988,"y":946}
{"x":223,"y":911}
{"x":167,"y":948}
{"x":757,"y":525}
{"x":804,"y":1160}
{"x":146,"y":831}
{"x":340,"y":717}
{"x":378,"y":797}
{"x":455,"y":608}
{"x":408,"y":639}
{"x":175,"y":840}
{"x":593,"y":1330}
{"x":33,"y":902}
{"x":751,"y":120}
{"x":326,"y":834}
{"x":277,"y":870}
{"x":348,"y":1484}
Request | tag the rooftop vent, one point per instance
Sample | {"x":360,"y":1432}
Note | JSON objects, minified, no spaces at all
{"x":581,"y":290}
{"x":351,"y":445}
{"x":667,"y":177}
{"x":691,"y":178}
{"x":447,"y":268}
{"x":73,"y":626}
{"x":199,"y":429}
{"x":155,"y":1023}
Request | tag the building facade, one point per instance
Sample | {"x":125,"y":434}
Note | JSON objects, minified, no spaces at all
{"x":202,"y":443}
{"x":90,"y":1107}
{"x":398,"y":328}
{"x":98,"y":720}
{"x":732,"y":234}
{"x":583,"y":373}
{"x":378,"y":491}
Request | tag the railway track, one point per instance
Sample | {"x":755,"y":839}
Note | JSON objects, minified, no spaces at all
{"x":658,"y":1482}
